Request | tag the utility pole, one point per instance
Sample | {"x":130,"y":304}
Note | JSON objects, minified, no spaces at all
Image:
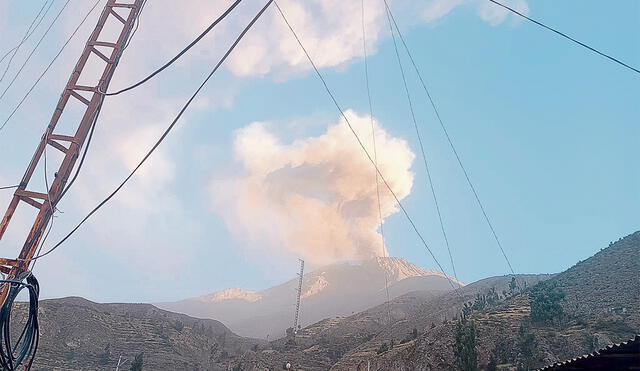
{"x":81,"y":90}
{"x":77,"y":110}
{"x":295,"y":321}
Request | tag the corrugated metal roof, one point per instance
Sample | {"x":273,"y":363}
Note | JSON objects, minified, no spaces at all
{"x":630,"y":347}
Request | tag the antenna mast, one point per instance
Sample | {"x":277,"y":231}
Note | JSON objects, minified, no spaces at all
{"x":295,"y":321}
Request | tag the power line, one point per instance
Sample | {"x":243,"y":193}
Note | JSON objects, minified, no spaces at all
{"x":34,"y":48}
{"x":423,"y":152}
{"x":566,"y":36}
{"x":164,"y":134}
{"x":453,"y":148}
{"x":28,"y":34}
{"x":10,"y":187}
{"x":335,"y":102}
{"x":170,"y":62}
{"x":375,"y":157}
{"x":48,"y":66}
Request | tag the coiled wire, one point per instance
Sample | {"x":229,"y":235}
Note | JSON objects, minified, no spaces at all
{"x":24,"y":349}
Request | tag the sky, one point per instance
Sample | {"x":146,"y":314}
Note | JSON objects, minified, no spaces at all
{"x":262,"y":170}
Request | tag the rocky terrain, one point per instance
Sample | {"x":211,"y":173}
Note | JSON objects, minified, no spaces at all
{"x":599,"y":301}
{"x":601,"y":305}
{"x":335,"y":290}
{"x":345,"y":342}
{"x":77,"y":334}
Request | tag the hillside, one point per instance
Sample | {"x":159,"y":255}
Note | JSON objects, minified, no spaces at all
{"x":77,"y":334}
{"x":344,"y":340}
{"x":335,"y":290}
{"x":601,"y":305}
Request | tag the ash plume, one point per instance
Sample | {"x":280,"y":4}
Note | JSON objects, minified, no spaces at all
{"x":315,"y":197}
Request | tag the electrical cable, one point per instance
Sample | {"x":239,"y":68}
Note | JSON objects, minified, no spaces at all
{"x":9,"y":187}
{"x":136,"y":27}
{"x":49,"y":66}
{"x":53,"y":22}
{"x":172,"y":60}
{"x":162,"y":137}
{"x":13,"y":354}
{"x":453,"y":148}
{"x":335,"y":102}
{"x":29,"y":32}
{"x":375,"y":157}
{"x":567,"y":37}
{"x":422,"y":150}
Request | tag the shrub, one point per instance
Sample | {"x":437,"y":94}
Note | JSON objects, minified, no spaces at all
{"x":544,"y":299}
{"x":178,"y":325}
{"x":104,"y":358}
{"x":138,"y":362}
{"x":383,"y":348}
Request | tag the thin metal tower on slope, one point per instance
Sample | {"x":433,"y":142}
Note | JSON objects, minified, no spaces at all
{"x":295,"y":321}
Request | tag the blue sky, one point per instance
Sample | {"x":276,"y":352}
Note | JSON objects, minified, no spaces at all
{"x":547,"y":130}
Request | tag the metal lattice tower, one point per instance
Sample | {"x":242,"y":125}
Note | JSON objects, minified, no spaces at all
{"x":120,"y":15}
{"x":295,"y":321}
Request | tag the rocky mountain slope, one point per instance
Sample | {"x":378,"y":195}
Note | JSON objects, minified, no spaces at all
{"x":335,"y":290}
{"x":600,"y":305}
{"x":344,"y":342}
{"x":77,"y":334}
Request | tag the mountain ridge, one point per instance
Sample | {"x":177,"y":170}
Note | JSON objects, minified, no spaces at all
{"x":336,"y":289}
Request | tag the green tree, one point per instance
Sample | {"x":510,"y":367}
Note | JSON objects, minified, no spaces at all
{"x":465,"y":350}
{"x":104,"y":358}
{"x":545,"y":301}
{"x":138,"y":362}
{"x":527,"y":345}
{"x":513,"y":285}
{"x":493,"y":363}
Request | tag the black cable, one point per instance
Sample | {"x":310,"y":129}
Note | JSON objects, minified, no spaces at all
{"x":84,"y":154}
{"x":375,"y":157}
{"x":53,"y":22}
{"x":137,"y":25}
{"x":423,"y":152}
{"x":13,"y":354}
{"x":49,"y":66}
{"x":164,"y":135}
{"x":335,"y":102}
{"x":453,"y":148}
{"x":29,"y":32}
{"x":9,"y":187}
{"x":566,"y":36}
{"x":170,"y":62}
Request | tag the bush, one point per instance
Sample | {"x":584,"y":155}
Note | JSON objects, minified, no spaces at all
{"x":104,"y":358}
{"x":178,"y":325}
{"x":383,"y":348}
{"x":138,"y":362}
{"x":544,"y":299}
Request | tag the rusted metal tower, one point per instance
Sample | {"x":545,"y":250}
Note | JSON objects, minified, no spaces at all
{"x":103,"y":49}
{"x":295,"y":321}
{"x":109,"y":52}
